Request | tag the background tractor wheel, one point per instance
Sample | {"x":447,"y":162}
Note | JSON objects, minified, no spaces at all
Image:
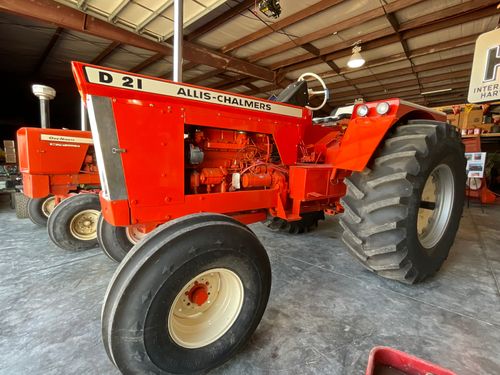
{"x":308,"y":223}
{"x":116,"y":242}
{"x":187,"y":297}
{"x":21,"y":202}
{"x":73,"y":223}
{"x":39,"y":209}
{"x":402,"y":213}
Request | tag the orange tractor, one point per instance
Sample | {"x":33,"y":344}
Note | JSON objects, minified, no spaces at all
{"x":57,"y":165}
{"x":61,"y":179}
{"x":190,"y":294}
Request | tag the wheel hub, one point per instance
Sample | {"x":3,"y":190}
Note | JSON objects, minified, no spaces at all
{"x":205,"y":308}
{"x":48,"y":206}
{"x":134,"y":234}
{"x":198,"y":294}
{"x":436,"y":203}
{"x":84,"y":225}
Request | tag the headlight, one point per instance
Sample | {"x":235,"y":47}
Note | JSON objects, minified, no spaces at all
{"x":382,"y":108}
{"x":362,"y":110}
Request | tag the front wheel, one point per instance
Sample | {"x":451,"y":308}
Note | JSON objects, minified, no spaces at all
{"x":402,"y":213}
{"x":187,"y":297}
{"x":116,"y":242}
{"x":73,"y":223}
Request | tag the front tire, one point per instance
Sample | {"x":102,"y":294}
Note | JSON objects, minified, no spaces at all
{"x":73,"y":223}
{"x":39,"y":209}
{"x":402,"y":213}
{"x":116,"y":242}
{"x":153,"y":314}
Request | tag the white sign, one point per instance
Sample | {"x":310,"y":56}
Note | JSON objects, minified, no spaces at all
{"x":475,"y":164}
{"x":155,"y":86}
{"x":485,"y":77}
{"x":62,"y":138}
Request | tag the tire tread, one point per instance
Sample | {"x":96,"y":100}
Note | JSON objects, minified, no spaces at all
{"x":376,"y":200}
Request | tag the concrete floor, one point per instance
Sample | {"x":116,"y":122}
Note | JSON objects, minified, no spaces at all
{"x":325,"y":313}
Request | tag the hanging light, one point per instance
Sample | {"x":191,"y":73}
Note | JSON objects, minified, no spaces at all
{"x":356,"y":60}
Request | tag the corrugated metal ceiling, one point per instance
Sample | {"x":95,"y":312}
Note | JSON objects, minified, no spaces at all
{"x":427,"y":29}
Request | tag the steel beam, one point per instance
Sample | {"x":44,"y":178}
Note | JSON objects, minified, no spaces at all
{"x":204,"y":76}
{"x":105,"y":53}
{"x":149,"y":61}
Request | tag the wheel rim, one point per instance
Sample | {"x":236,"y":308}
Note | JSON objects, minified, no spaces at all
{"x":436,"y":205}
{"x":205,"y":308}
{"x":134,"y":235}
{"x":48,"y":206}
{"x":84,"y":225}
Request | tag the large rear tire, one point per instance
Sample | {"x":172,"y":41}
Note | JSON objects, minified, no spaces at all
{"x":73,"y":223}
{"x":39,"y":209}
{"x":116,"y":242}
{"x":402,"y":213}
{"x":164,"y":308}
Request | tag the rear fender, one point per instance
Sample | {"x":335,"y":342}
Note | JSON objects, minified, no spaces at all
{"x":364,"y":134}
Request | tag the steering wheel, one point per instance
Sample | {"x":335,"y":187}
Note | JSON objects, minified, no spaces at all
{"x":325,"y":92}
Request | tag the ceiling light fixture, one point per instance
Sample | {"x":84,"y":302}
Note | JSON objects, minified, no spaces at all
{"x":435,"y":91}
{"x":356,"y":60}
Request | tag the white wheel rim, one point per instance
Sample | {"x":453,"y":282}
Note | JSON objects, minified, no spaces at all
{"x":48,"y":206}
{"x":439,"y":189}
{"x":193,"y":326}
{"x":83,"y":225}
{"x":133,"y":234}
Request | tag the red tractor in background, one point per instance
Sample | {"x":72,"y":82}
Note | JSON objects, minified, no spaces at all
{"x":60,"y":178}
{"x":190,"y":294}
{"x":59,"y":170}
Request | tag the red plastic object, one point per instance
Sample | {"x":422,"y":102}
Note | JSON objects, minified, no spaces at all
{"x":388,"y":361}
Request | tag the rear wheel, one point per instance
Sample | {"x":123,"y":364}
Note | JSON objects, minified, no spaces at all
{"x":73,"y":223}
{"x":39,"y":209}
{"x":116,"y":242}
{"x":187,"y":297}
{"x":402,"y":213}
